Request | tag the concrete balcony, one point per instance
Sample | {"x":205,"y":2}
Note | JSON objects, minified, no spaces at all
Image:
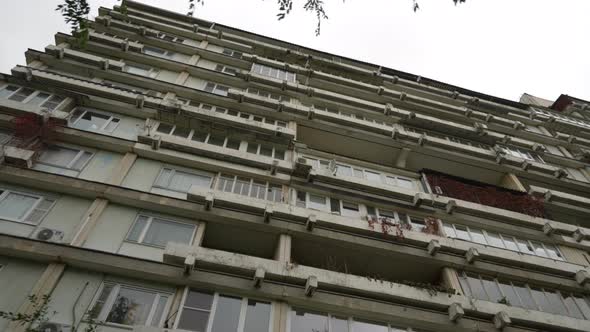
{"x":368,"y":287}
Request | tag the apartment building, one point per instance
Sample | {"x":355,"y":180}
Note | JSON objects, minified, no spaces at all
{"x":178,"y":175}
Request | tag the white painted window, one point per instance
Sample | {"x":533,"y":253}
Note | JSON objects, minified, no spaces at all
{"x":266,"y":94}
{"x":266,"y":150}
{"x":158,"y":52}
{"x":349,"y":115}
{"x":31,"y":96}
{"x":169,"y":38}
{"x":199,"y":136}
{"x":272,"y":72}
{"x":226,"y":70}
{"x":23,"y":207}
{"x":576,"y":174}
{"x":64,"y":157}
{"x":526,"y":296}
{"x":214,"y":312}
{"x":128,"y":305}
{"x":180,"y":181}
{"x":446,"y":137}
{"x":217,"y":89}
{"x":141,"y":70}
{"x":249,"y":187}
{"x":232,"y":53}
{"x":504,"y":241}
{"x":522,"y":153}
{"x":242,"y":115}
{"x":327,"y":204}
{"x":157,"y":232}
{"x":304,"y":320}
{"x":91,"y":120}
{"x":565,"y":118}
{"x":118,"y":85}
{"x":413,"y":222}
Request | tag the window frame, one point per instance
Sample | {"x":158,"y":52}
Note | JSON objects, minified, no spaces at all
{"x":31,"y":209}
{"x":232,"y":53}
{"x":213,"y":309}
{"x":238,"y":114}
{"x":70,"y":165}
{"x":32,"y":96}
{"x":224,"y":69}
{"x":251,"y":181}
{"x":259,"y":69}
{"x":166,"y":54}
{"x":150,"y":71}
{"x":102,"y":128}
{"x":503,"y":237}
{"x":150,"y":218}
{"x":217,"y":88}
{"x":174,"y":39}
{"x":173,"y":171}
{"x":349,"y":319}
{"x":108,"y":303}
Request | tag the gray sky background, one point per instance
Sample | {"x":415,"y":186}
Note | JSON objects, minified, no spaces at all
{"x":498,"y":47}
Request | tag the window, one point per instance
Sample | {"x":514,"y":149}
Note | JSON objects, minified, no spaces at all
{"x":576,"y":174}
{"x":213,"y":312}
{"x":198,"y":135}
{"x":226,"y":70}
{"x":130,"y":305}
{"x":250,"y":187}
{"x":217,"y":89}
{"x":349,"y":115}
{"x":30,"y":96}
{"x":280,"y":74}
{"x":232,"y":53}
{"x":568,"y":119}
{"x":266,"y":94}
{"x":412,"y":222}
{"x":158,"y":232}
{"x":180,"y":181}
{"x":521,"y":153}
{"x":65,"y":158}
{"x":127,"y":87}
{"x":308,"y":321}
{"x":242,"y":115}
{"x":90,"y":120}
{"x":503,"y":241}
{"x":159,"y":52}
{"x":170,"y":38}
{"x":327,"y":204}
{"x":446,"y":137}
{"x":141,"y":70}
{"x":23,"y":207}
{"x":525,"y":296}
{"x":266,"y":150}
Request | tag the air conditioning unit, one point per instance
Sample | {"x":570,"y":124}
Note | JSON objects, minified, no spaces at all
{"x":50,"y":235}
{"x":54,"y":327}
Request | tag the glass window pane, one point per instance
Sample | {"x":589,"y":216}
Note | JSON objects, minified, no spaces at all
{"x":198,"y":300}
{"x":81,"y":162}
{"x":225,"y":183}
{"x":53,"y":102}
{"x":449,"y":230}
{"x":258,"y":189}
{"x":217,"y":140}
{"x":15,"y":206}
{"x":372,"y":176}
{"x":510,"y":243}
{"x":462,"y":232}
{"x":7,"y":90}
{"x":233,"y":144}
{"x":338,"y":324}
{"x":266,"y":150}
{"x":572,"y":307}
{"x":164,"y":128}
{"x":350,"y":209}
{"x":181,"y":132}
{"x":159,"y":311}
{"x":138,"y":227}
{"x":539,"y":250}
{"x":477,"y":290}
{"x":541,"y":300}
{"x":227,"y":314}
{"x":21,"y":94}
{"x":279,"y":154}
{"x":242,"y":186}
{"x":584,"y":305}
{"x":99,"y":304}
{"x":111,"y":125}
{"x":38,"y":98}
{"x":193,"y":320}
{"x":495,"y":240}
{"x":492,"y":289}
{"x":477,"y":236}
{"x":358,"y":326}
{"x":525,"y":247}
{"x":308,"y":322}
{"x":405,"y":183}
{"x":257,"y":316}
{"x":252,"y":148}
{"x":58,"y":156}
{"x":510,"y":294}
{"x":553,"y":252}
{"x":161,"y":232}
{"x":342,"y":170}
{"x":555,"y":302}
{"x":199,"y":136}
{"x":525,"y":296}
{"x":131,"y":307}
{"x":317,"y":201}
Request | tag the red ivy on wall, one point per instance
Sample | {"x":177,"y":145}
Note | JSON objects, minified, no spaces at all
{"x":489,"y":195}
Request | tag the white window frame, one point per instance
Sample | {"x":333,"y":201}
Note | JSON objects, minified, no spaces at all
{"x":108,"y":304}
{"x":503,"y":238}
{"x":150,"y":218}
{"x":232,"y":53}
{"x":279,"y":74}
{"x":216,"y":88}
{"x":350,"y":320}
{"x":226,"y":69}
{"x":242,"y":115}
{"x":463,"y":275}
{"x":33,"y":95}
{"x":213,"y":310}
{"x":522,"y":153}
{"x":350,"y":115}
{"x":102,"y":128}
{"x":267,"y":94}
{"x":155,"y":51}
{"x":70,"y":165}
{"x":174,"y":39}
{"x":267,"y":193}
{"x":273,"y":150}
{"x":40,"y":199}
{"x":173,"y":171}
{"x":150,"y":71}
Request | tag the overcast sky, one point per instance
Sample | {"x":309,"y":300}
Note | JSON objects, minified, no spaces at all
{"x":498,"y":47}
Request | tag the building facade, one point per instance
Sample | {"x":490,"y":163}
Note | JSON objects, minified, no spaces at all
{"x":179,"y":175}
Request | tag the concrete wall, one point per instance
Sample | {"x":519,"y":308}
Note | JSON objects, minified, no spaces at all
{"x":111,"y":229}
{"x":208,"y":64}
{"x":17,"y":278}
{"x":129,"y":127}
{"x":195,"y":83}
{"x":167,"y":76}
{"x":142,"y":174}
{"x":101,"y":166}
